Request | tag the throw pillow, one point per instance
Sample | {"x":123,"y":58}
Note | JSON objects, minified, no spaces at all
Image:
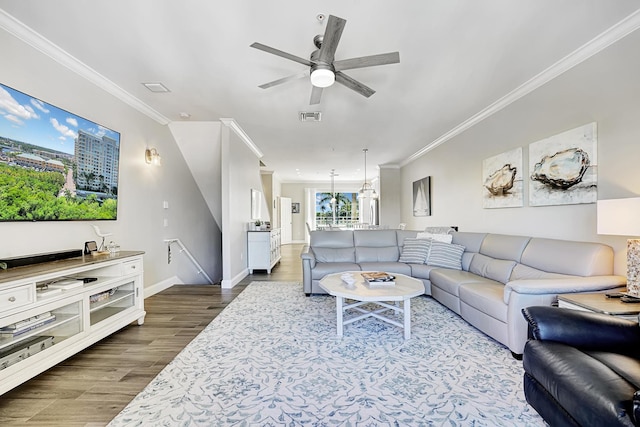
{"x":446,"y":238}
{"x":415,"y":251}
{"x":446,"y":255}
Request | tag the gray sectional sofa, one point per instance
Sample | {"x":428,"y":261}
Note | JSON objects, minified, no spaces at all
{"x":499,"y":274}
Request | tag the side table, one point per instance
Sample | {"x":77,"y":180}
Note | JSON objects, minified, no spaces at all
{"x":599,"y":303}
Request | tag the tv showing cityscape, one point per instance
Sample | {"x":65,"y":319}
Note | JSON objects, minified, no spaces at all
{"x":54,"y":165}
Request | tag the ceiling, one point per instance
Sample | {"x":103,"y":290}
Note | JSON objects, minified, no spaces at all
{"x":457,"y":59}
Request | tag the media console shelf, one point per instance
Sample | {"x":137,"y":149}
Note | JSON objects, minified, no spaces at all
{"x":48,"y":315}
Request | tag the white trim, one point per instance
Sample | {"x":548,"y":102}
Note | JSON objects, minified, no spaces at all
{"x":231,"y":123}
{"x":228,"y":284}
{"x":37,"y":41}
{"x":605,"y":39}
{"x":161,"y":286}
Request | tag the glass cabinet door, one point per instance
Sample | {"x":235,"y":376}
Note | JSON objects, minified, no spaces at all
{"x":31,"y":335}
{"x":110,"y":302}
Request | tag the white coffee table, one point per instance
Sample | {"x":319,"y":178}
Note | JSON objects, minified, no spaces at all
{"x":405,"y":288}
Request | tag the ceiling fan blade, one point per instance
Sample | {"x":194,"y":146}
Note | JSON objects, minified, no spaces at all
{"x":332,"y":35}
{"x":367,"y":61}
{"x":316,"y":94}
{"x":280,"y":53}
{"x":284,"y":80}
{"x":353,"y":84}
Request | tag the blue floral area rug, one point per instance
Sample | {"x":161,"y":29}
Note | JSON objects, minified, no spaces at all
{"x":273,"y":358}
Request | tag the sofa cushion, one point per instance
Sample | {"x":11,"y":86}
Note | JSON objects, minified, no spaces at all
{"x":421,"y":271}
{"x":446,"y":255}
{"x":503,"y":246}
{"x":567,"y":257}
{"x":386,"y":254}
{"x":405,"y":234}
{"x":335,"y":254}
{"x":524,"y":272}
{"x":471,"y":241}
{"x":450,"y":280}
{"x":388,"y":267}
{"x":415,"y":251}
{"x":334,"y":239}
{"x":374,"y":238}
{"x":324,"y":268}
{"x":485,"y":297}
{"x":495,"y":269}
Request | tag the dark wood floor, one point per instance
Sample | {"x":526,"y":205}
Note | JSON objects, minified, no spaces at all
{"x":92,"y":387}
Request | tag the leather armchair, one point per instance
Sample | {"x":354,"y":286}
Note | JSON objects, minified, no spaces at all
{"x":582,"y":368}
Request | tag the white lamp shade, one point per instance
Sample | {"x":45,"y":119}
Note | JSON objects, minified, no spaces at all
{"x":322,"y":77}
{"x":619,"y":217}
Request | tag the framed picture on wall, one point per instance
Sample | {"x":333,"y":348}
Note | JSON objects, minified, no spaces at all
{"x":502,"y":181}
{"x":295,"y":207}
{"x":563,"y":168}
{"x":422,"y":197}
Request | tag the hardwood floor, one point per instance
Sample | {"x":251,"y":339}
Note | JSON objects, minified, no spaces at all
{"x":92,"y":387}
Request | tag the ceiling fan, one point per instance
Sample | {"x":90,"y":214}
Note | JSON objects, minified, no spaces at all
{"x":324,"y":70}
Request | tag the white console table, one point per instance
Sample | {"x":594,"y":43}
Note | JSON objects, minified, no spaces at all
{"x":264,"y":249}
{"x":41,"y":327}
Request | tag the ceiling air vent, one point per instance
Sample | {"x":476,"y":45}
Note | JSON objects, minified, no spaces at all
{"x":310,"y":116}
{"x":156,"y":87}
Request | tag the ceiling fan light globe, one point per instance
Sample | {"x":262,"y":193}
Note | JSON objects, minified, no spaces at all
{"x":322,"y":78}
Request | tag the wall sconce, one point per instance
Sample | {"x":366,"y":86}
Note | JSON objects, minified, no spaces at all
{"x":620,"y":217}
{"x":152,"y":157}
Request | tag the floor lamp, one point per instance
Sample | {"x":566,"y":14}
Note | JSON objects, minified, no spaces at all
{"x":621,"y":217}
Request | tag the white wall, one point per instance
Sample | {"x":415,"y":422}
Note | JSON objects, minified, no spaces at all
{"x":389,"y":203}
{"x":142,"y":188}
{"x":604,"y":89}
{"x":240,"y":173}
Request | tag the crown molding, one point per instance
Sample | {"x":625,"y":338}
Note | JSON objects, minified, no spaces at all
{"x":605,"y":39}
{"x":231,"y":123}
{"x":389,"y":166}
{"x":53,"y":51}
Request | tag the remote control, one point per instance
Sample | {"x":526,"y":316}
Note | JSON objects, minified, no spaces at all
{"x":630,"y":300}
{"x":615,"y":295}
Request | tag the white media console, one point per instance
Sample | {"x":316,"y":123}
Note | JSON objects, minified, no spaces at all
{"x":48,"y":315}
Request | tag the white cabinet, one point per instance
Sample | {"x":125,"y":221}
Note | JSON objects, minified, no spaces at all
{"x":264,"y":249}
{"x":48,"y":315}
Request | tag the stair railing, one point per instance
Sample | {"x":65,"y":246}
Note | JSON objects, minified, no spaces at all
{"x":183,"y":248}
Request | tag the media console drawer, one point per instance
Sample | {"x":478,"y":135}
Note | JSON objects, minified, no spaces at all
{"x":16,"y":297}
{"x":132,"y":267}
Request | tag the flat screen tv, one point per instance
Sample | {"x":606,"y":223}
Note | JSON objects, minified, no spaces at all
{"x":54,"y":165}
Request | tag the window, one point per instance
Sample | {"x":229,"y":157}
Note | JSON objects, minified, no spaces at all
{"x":344,"y":212}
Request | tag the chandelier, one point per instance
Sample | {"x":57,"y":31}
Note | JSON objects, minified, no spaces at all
{"x":367,"y":189}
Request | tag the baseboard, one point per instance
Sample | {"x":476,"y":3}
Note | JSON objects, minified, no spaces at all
{"x":295,"y":242}
{"x":228,"y":284}
{"x":161,"y":286}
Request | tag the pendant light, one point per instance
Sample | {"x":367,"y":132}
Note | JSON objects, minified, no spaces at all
{"x":367,"y":189}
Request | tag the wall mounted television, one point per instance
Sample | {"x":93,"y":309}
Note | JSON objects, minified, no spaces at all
{"x":54,"y":165}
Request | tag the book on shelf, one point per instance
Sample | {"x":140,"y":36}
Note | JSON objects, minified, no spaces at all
{"x":378,"y":278}
{"x":27,"y":325}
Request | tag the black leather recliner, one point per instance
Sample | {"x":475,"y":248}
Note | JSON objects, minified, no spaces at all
{"x":582,"y":368}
